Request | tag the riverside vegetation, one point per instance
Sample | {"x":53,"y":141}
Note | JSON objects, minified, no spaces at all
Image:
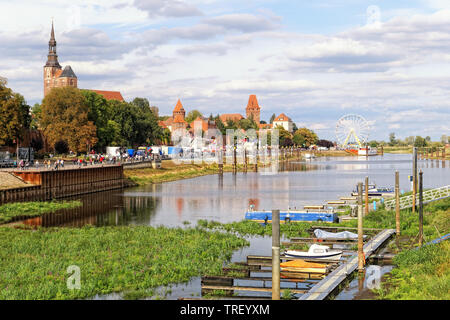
{"x":17,"y":210}
{"x":133,"y":260}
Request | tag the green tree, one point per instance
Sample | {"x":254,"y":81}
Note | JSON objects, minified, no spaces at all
{"x":309,"y":136}
{"x":284,"y":136}
{"x":64,"y":116}
{"x":35,"y":116}
{"x":272,"y":118}
{"x":14,"y":115}
{"x":392,"y":140}
{"x":192,"y":115}
{"x":299,"y":140}
{"x":420,"y":142}
{"x":247,"y":124}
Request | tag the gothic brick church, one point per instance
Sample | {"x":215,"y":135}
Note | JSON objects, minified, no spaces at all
{"x":57,"y":77}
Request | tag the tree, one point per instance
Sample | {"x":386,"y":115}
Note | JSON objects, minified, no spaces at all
{"x":35,"y":116}
{"x":284,"y":136}
{"x":325,"y":143}
{"x":299,"y":140}
{"x":272,"y":118}
{"x":420,"y":142}
{"x":247,"y":124}
{"x":14,"y":115}
{"x":192,"y":115}
{"x":392,"y":140}
{"x":61,"y":147}
{"x":309,"y":136}
{"x":219,"y":124}
{"x":64,"y":116}
{"x":99,"y":115}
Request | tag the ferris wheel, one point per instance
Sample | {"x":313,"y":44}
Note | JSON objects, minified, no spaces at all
{"x":352,"y":129}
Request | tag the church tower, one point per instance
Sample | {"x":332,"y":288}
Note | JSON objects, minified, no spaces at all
{"x":54,"y":76}
{"x":253,"y":110}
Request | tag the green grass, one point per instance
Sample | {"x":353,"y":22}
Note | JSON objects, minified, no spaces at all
{"x":10,"y":211}
{"x":131,"y":260}
{"x":422,"y":274}
{"x":248,"y":227}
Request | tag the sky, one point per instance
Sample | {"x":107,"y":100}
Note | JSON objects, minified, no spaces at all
{"x":316,"y":61}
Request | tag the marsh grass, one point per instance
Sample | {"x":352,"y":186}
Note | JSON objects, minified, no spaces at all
{"x":132,"y":259}
{"x":12,"y":211}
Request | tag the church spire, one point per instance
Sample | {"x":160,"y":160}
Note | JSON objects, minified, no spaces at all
{"x":52,"y":57}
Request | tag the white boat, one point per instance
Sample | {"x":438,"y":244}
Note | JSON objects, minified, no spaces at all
{"x":317,"y":252}
{"x":367,"y":151}
{"x":309,"y":156}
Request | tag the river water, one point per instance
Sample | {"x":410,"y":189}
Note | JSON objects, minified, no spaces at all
{"x":225,"y":199}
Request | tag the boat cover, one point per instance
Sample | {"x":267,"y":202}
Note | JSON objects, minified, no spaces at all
{"x":301,"y":264}
{"x":322,"y":234}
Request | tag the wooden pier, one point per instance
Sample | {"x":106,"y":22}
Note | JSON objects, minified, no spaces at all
{"x":332,"y":281}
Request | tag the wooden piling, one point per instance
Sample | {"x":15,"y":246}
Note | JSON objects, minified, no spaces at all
{"x":367,"y":196}
{"x":420,"y":208}
{"x":397,"y":203}
{"x":275,"y":254}
{"x":414,"y":179}
{"x":360,"y":230}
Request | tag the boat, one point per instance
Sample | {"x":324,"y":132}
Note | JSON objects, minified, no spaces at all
{"x":375,"y":191}
{"x":315,"y":252}
{"x":309,"y":156}
{"x":361,"y":151}
{"x":303,"y":266}
{"x":311,"y":215}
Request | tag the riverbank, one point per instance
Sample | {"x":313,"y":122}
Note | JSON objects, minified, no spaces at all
{"x":15,"y":211}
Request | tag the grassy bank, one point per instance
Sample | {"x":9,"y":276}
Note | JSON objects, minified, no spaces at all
{"x":11,"y":211}
{"x":422,"y":274}
{"x":134,"y":260}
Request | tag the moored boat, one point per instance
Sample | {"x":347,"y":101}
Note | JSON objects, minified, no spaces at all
{"x":311,"y":215}
{"x":316,"y":252}
{"x":375,"y":191}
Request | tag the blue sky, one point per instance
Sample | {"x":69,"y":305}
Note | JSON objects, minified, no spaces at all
{"x":313,"y":60}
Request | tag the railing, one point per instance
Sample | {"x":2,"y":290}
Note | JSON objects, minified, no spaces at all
{"x":428,"y":196}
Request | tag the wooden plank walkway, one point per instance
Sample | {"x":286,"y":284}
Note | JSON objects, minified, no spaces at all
{"x":326,"y":286}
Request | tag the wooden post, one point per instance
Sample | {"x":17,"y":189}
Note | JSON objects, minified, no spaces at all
{"x":367,"y":196}
{"x":221,"y":162}
{"x":234,"y":159}
{"x":360,"y":229}
{"x":382,"y":150}
{"x":414,"y":179}
{"x":275,"y":254}
{"x":443,"y":153}
{"x":420,"y":208}
{"x":397,"y":203}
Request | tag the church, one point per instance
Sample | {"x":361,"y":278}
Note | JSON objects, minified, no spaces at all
{"x":57,"y":77}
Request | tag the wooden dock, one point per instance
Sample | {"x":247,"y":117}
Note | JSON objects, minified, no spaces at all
{"x":332,"y":281}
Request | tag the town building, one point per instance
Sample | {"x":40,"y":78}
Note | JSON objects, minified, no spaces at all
{"x":57,"y":77}
{"x":283,"y":121}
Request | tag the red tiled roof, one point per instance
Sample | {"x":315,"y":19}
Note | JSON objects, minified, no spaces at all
{"x":282,"y":117}
{"x":178,"y":107}
{"x":265,"y":125}
{"x":230,"y":116}
{"x":110,"y":95}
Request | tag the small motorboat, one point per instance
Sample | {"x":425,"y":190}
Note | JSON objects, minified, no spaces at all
{"x":316,"y":252}
{"x":375,"y":191}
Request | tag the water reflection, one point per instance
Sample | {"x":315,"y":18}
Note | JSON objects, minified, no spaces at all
{"x":226,"y":197}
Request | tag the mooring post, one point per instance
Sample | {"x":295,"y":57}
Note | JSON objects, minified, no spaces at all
{"x":414,"y":179}
{"x":221,"y":161}
{"x":275,"y":254}
{"x":420,"y":208}
{"x":360,"y":229}
{"x":234,"y":159}
{"x":397,"y":203}
{"x":367,"y":196}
